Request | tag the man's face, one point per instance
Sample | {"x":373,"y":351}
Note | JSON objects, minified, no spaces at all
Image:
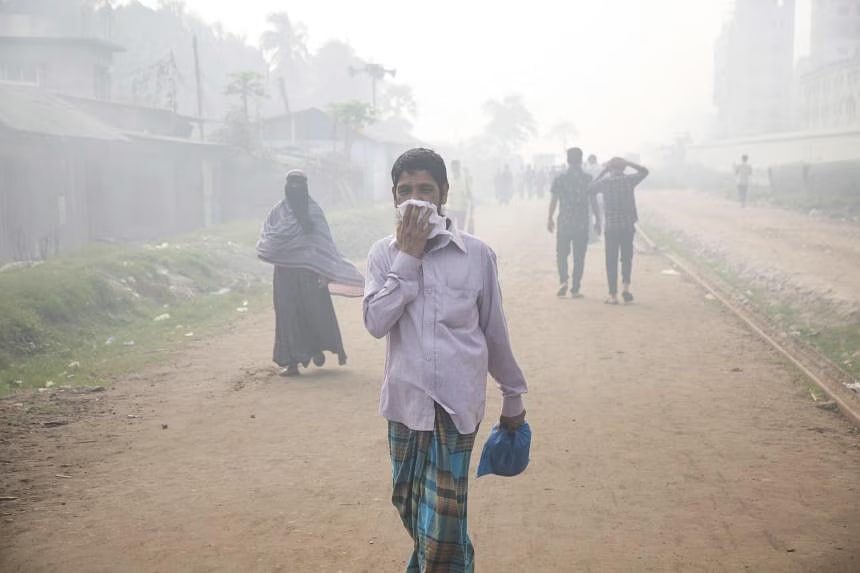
{"x":419,"y":185}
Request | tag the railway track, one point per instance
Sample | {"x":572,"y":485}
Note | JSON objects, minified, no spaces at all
{"x":831,"y":379}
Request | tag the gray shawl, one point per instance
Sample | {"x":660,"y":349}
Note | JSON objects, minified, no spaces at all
{"x":283,"y":242}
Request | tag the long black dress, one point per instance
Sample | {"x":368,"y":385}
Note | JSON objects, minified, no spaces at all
{"x":305,"y":321}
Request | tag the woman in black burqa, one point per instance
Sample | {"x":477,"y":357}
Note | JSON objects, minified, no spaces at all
{"x":308,"y":269}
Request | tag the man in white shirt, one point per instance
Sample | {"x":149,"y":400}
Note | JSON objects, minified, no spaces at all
{"x":743,"y":172}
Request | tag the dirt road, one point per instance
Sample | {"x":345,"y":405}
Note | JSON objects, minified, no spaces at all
{"x":666,"y":438}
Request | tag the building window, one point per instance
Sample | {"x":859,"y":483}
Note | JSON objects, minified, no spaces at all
{"x":31,"y":75}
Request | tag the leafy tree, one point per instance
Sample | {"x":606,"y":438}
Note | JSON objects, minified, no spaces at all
{"x":354,"y":116}
{"x":510,"y":123}
{"x":397,"y":101}
{"x":246,"y":85}
{"x":330,"y":80}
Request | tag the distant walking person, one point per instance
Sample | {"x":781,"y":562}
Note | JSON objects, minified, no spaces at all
{"x":570,"y":192}
{"x":619,"y":203}
{"x":308,"y":270}
{"x":743,"y":172}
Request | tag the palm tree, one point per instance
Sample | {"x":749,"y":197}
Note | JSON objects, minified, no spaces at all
{"x":285,"y":45}
{"x":246,"y":85}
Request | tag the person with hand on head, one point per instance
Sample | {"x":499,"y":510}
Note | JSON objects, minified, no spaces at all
{"x":434,"y":293}
{"x":620,"y":216}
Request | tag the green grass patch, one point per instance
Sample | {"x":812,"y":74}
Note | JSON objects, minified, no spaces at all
{"x":814,"y":322}
{"x":110,"y":309}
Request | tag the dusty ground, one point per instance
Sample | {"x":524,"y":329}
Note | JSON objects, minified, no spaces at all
{"x":666,"y":438}
{"x":812,"y":257}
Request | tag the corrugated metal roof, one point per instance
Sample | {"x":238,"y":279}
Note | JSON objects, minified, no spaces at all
{"x":32,"y":110}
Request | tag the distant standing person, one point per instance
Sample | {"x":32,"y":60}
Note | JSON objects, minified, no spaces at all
{"x":505,"y":185}
{"x":593,"y":168}
{"x":308,"y":269}
{"x":434,"y":293}
{"x":620,"y":215}
{"x":570,"y":192}
{"x":460,"y":204}
{"x":743,"y":172}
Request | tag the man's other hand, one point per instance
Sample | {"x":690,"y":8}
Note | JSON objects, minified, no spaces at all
{"x":413,"y":230}
{"x":550,"y":225}
{"x":511,"y":423}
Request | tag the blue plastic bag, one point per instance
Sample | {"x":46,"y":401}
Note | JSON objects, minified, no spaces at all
{"x":506,"y":453}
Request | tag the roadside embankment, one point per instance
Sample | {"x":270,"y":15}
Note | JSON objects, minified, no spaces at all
{"x":802,"y":273}
{"x":82,"y":319}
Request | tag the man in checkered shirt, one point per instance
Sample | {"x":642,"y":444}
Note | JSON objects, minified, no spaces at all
{"x":620,"y":215}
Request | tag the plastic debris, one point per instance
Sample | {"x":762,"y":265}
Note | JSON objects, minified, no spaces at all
{"x":162,"y":317}
{"x":109,"y":341}
{"x":221,"y":291}
{"x":670,"y":272}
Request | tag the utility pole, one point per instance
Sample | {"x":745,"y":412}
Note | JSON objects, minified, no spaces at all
{"x":282,"y":88}
{"x":199,"y":88}
{"x":376,"y":73}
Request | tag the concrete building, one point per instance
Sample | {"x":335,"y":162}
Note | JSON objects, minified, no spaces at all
{"x":830,"y":95}
{"x":73,"y":66}
{"x":835,"y":31}
{"x":829,"y":80}
{"x":754,"y":69}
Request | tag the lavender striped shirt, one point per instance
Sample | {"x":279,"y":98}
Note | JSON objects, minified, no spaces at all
{"x":445,"y":329}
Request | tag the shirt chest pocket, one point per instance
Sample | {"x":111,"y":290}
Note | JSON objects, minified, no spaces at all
{"x":460,"y":308}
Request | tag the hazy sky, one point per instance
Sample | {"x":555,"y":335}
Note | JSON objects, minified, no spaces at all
{"x":626,"y":72}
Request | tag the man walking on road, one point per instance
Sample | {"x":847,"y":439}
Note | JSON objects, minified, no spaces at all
{"x":434,"y":293}
{"x":743,"y":172}
{"x":570,"y":193}
{"x":619,"y":202}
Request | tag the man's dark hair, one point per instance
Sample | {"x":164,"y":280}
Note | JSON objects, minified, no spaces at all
{"x":421,"y":159}
{"x":574,"y":156}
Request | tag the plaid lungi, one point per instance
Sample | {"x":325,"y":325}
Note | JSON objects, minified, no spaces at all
{"x":430,"y":471}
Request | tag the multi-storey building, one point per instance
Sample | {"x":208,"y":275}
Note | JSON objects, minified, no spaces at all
{"x":829,"y":86}
{"x":754,"y":67}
